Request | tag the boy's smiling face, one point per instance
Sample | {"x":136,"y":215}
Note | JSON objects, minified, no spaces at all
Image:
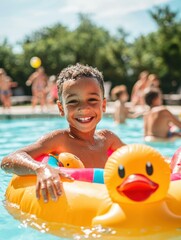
{"x":83,"y":103}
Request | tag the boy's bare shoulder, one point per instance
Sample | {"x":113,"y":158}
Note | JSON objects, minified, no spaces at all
{"x":53,"y":135}
{"x":105,"y":132}
{"x":109,"y":136}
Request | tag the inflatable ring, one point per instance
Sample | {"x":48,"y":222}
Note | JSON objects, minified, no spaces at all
{"x":137,"y":194}
{"x":74,"y":167}
{"x":176,"y":165}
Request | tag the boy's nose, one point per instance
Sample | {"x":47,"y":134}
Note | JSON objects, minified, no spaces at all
{"x":83,"y":107}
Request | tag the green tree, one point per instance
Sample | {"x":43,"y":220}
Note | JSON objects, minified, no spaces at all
{"x":159,"y":52}
{"x":114,"y":59}
{"x":169,"y":34}
{"x":7,"y":57}
{"x":88,"y":41}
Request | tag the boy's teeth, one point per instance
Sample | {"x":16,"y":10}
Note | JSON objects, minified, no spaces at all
{"x":84,"y":119}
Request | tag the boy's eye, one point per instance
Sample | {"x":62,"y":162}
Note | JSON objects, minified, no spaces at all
{"x":75,"y":101}
{"x":72,"y":102}
{"x":93,"y":100}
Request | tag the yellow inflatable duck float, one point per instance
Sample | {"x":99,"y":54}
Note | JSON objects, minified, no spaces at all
{"x":137,"y":195}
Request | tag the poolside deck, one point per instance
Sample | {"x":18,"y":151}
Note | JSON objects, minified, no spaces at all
{"x":25,"y":111}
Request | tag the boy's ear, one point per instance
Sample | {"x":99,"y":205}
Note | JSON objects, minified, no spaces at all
{"x":104,"y":105}
{"x":60,"y":107}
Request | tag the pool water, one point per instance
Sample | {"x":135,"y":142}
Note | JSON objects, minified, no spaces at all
{"x":17,"y":133}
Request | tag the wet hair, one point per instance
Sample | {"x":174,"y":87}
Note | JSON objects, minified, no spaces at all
{"x":150,"y":95}
{"x":77,"y":71}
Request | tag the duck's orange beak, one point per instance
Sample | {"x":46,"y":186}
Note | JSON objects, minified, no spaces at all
{"x":137,"y":187}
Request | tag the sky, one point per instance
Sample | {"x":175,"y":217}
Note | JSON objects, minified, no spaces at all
{"x":20,"y":18}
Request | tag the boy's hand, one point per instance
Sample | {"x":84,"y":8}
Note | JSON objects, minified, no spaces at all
{"x":49,"y":182}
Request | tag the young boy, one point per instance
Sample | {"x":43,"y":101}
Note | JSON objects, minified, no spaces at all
{"x":158,"y":121}
{"x":82,"y":102}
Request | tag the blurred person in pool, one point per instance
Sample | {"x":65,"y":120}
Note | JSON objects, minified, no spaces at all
{"x":120,"y":95}
{"x":122,"y":110}
{"x":82,"y":102}
{"x":137,"y":93}
{"x":159,"y":123}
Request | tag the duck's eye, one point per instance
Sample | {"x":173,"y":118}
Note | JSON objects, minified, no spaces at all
{"x":121,"y":171}
{"x":149,"y":168}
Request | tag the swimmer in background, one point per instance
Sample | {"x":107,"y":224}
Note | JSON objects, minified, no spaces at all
{"x":137,"y":94}
{"x":82,"y":102}
{"x":153,"y":81}
{"x":120,"y":95}
{"x":38,"y":81}
{"x":123,"y":110}
{"x":159,"y":121}
{"x":6,"y":84}
{"x":52,"y":91}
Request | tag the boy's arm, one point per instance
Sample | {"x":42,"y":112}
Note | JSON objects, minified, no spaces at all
{"x":22,"y":162}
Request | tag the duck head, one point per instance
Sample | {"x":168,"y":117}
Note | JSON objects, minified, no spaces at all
{"x":69,"y":160}
{"x":137,"y":173}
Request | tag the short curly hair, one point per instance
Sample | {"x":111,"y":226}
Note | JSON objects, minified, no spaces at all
{"x":74,"y":72}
